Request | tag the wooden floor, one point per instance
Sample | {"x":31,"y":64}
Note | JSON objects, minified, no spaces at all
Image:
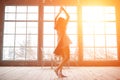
{"x":73,"y":73}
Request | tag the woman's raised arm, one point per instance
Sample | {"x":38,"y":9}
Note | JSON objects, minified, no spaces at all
{"x":58,"y":15}
{"x":67,"y":15}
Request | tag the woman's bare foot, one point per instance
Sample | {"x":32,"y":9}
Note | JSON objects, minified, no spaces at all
{"x":56,"y":72}
{"x":61,"y":75}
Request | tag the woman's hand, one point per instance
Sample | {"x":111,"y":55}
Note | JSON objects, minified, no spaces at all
{"x":61,"y":8}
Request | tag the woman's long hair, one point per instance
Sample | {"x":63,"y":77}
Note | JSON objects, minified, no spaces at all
{"x":60,"y":23}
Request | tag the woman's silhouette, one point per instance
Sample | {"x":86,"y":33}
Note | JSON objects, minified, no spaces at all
{"x":62,"y":48}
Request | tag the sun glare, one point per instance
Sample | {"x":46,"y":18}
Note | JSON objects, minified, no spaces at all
{"x":99,"y":33}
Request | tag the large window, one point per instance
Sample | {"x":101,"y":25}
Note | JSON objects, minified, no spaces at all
{"x":20,"y":39}
{"x":50,"y":36}
{"x":99,"y":33}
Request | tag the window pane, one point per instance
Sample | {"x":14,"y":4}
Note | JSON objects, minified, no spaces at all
{"x":48,"y":52}
{"x":100,"y":54}
{"x":8,"y":40}
{"x":73,"y":17}
{"x":48,"y":40}
{"x":110,"y":17}
{"x":73,"y":39}
{"x":9,"y":16}
{"x":57,"y":9}
{"x":74,"y":50}
{"x":49,"y":28}
{"x":111,"y":41}
{"x":32,"y":27}
{"x":10,"y":9}
{"x":88,"y":53}
{"x":72,"y":28}
{"x":48,"y":16}
{"x":88,"y":41}
{"x":20,"y":40}
{"x":33,"y":9}
{"x":32,"y":40}
{"x":48,"y":9}
{"x":21,"y":16}
{"x":71,"y":9}
{"x":31,"y":54}
{"x":109,"y":9}
{"x":9,"y":27}
{"x":110,"y":27}
{"x":99,"y":28}
{"x":8,"y":53}
{"x":100,"y":41}
{"x":20,"y":53}
{"x":92,"y":13}
{"x":112,"y":54}
{"x":21,"y":8}
{"x":88,"y":28}
{"x":32,"y":17}
{"x":20,"y":27}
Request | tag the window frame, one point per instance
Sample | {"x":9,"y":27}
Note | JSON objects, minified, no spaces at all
{"x":80,"y":62}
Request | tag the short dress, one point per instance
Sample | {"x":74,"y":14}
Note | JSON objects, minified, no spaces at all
{"x":63,"y":44}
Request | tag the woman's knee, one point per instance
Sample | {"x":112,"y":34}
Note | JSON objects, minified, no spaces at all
{"x":67,"y":58}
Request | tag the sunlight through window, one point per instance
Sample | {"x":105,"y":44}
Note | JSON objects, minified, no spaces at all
{"x":99,"y":33}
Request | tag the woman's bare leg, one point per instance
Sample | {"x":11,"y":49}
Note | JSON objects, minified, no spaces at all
{"x":60,"y":66}
{"x":65,"y":58}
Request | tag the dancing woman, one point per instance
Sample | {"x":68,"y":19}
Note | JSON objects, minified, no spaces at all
{"x":63,"y":45}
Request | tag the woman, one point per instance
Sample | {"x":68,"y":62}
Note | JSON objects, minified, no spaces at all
{"x":62,"y":48}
